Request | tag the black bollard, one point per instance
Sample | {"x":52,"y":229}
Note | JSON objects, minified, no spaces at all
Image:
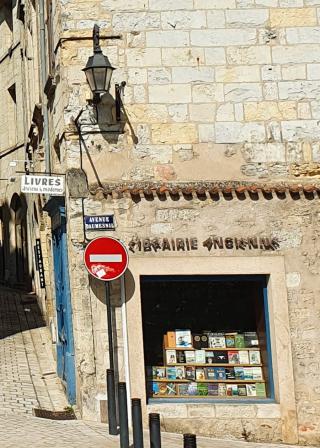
{"x":189,"y":441}
{"x":123,"y":415}
{"x":154,"y":429}
{"x":137,"y":428}
{"x":112,"y":411}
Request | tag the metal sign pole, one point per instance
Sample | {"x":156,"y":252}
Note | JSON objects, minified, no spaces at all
{"x":111,"y":390}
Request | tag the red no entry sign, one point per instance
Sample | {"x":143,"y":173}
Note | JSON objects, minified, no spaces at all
{"x":106,"y":258}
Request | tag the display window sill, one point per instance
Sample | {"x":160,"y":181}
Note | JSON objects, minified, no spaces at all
{"x":231,"y":401}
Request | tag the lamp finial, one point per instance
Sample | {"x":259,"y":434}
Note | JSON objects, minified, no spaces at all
{"x":96,"y":39}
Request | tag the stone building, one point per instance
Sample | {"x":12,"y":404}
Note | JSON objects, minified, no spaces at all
{"x":211,"y":175}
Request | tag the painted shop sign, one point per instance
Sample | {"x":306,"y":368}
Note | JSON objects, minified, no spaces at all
{"x":102,"y":222}
{"x":212,"y":243}
{"x":53,"y":185}
{"x":39,"y":263}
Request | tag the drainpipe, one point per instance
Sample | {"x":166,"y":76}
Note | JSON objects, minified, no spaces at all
{"x":43,"y":74}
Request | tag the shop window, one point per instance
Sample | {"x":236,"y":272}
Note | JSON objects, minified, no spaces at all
{"x":206,"y":338}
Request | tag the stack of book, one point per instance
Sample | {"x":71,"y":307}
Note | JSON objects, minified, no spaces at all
{"x":209,"y":364}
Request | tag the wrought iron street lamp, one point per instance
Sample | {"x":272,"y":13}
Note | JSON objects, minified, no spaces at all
{"x":98,"y":69}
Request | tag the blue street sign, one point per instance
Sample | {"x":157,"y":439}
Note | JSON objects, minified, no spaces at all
{"x":102,"y":222}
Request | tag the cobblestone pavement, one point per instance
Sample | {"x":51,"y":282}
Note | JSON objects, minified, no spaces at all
{"x":27,"y":367}
{"x":25,"y":432}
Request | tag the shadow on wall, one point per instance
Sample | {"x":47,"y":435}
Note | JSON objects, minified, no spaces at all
{"x":14,"y":268}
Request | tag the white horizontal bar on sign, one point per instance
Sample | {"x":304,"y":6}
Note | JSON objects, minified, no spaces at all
{"x":106,"y":258}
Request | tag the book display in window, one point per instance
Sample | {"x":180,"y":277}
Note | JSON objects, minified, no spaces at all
{"x":219,"y":365}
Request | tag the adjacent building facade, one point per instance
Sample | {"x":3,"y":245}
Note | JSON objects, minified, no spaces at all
{"x":212,"y":179}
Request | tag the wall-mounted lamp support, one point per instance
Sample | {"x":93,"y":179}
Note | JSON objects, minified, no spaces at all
{"x":119,"y":92}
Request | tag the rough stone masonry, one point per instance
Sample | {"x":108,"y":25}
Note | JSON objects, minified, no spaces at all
{"x":215,"y":90}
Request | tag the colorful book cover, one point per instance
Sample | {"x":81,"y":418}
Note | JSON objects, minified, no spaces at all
{"x":202,"y":389}
{"x":220,"y":373}
{"x":209,"y":372}
{"x":192,"y":389}
{"x":251,"y":339}
{"x":180,"y":373}
{"x":209,"y":357}
{"x":190,"y":356}
{"x":162,"y":388}
{"x":213,"y":389}
{"x":200,"y":356}
{"x":155,"y":388}
{"x":171,"y":339}
{"x":200,"y":375}
{"x":230,"y":374}
{"x":239,"y":340}
{"x":247,"y":371}
{"x":181,"y":357}
{"x":158,"y":373}
{"x":243,"y":357}
{"x":230,"y":339}
{"x":216,"y":340}
{"x":233,"y":357}
{"x":171,"y":357}
{"x":190,"y":373}
{"x":251,"y":390}
{"x":171,"y":389}
{"x":220,"y":357}
{"x":183,"y":338}
{"x":222,"y":389}
{"x":182,"y":389}
{"x":254,"y":357}
{"x":261,"y":390}
{"x":239,"y":373}
{"x":171,"y":373}
{"x":257,"y":373}
{"x":232,"y":389}
{"x":242,"y":390}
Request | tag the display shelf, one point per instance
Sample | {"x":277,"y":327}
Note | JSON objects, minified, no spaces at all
{"x":212,"y":349}
{"x":213,"y":365}
{"x":215,"y":397}
{"x":206,"y":381}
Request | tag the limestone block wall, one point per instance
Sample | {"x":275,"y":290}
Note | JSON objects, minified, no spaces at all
{"x":292,"y":222}
{"x":228,"y":90}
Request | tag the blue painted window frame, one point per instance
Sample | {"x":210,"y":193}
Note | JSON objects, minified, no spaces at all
{"x":263,"y":279}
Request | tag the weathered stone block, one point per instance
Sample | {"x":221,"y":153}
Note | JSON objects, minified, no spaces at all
{"x":293,"y":17}
{"x":202,"y":112}
{"x":215,"y":56}
{"x":295,"y":54}
{"x":189,"y":57}
{"x":270,"y":110}
{"x":192,"y":74}
{"x":167,"y":38}
{"x":303,"y":35}
{"x":299,"y":90}
{"x":240,"y":92}
{"x":183,"y":20}
{"x":174,"y":133}
{"x":148,"y":113}
{"x":235,"y":411}
{"x":223,"y":37}
{"x":143,"y":57}
{"x":207,"y":93}
{"x":247,"y":17}
{"x":206,"y":133}
{"x":259,"y":54}
{"x":154,"y":153}
{"x":245,"y":73}
{"x":240,"y":132}
{"x":135,"y":21}
{"x":172,"y":93}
